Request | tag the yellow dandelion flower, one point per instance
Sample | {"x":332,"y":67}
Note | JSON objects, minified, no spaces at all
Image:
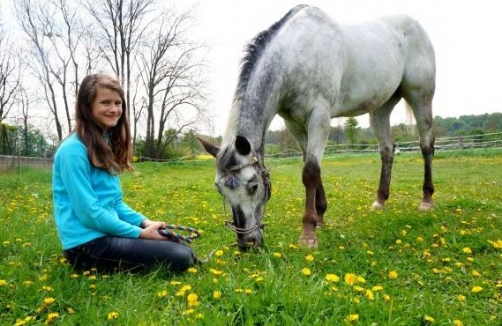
{"x":369,"y":295}
{"x":192,"y":270}
{"x":360,"y":279}
{"x":461,"y":298}
{"x":216,"y":295}
{"x":215,"y":271}
{"x":188,"y":312}
{"x":219,"y":253}
{"x":50,"y":317}
{"x":420,"y":239}
{"x":467,"y":250}
{"x":457,"y":322}
{"x":292,"y":246}
{"x":393,"y":275}
{"x":49,"y":301}
{"x":47,"y":288}
{"x":497,"y":244}
{"x":350,"y":278}
{"x":476,"y":289}
{"x":386,"y":297}
{"x":112,"y":315}
{"x":74,"y":275}
{"x":237,"y":253}
{"x":175,"y":283}
{"x":475,"y":273}
{"x":3,"y":282}
{"x":162,"y":294}
{"x":277,"y":255}
{"x":377,"y":288}
{"x":26,"y":283}
{"x":309,"y":257}
{"x":428,"y":319}
{"x":352,"y":317}
{"x":70,"y":310}
{"x":306,"y":271}
{"x":248,"y":291}
{"x":358,"y":288}
{"x":332,"y":278}
{"x":193,"y":300}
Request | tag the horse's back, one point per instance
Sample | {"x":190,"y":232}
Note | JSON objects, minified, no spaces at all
{"x":355,"y":67}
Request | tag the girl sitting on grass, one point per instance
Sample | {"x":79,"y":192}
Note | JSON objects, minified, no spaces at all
{"x":96,"y":228}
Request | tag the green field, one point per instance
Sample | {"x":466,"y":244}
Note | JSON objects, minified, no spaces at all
{"x":393,"y":267}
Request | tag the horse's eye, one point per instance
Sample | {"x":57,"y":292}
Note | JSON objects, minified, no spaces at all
{"x":252,"y":189}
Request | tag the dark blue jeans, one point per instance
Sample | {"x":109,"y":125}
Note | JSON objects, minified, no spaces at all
{"x":110,"y":254}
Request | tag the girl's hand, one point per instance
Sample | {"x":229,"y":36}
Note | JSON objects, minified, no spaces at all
{"x":151,"y":231}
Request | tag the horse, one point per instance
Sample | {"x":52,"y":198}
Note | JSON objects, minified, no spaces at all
{"x":308,"y":68}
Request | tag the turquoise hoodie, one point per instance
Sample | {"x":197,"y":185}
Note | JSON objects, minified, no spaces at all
{"x":87,"y":200}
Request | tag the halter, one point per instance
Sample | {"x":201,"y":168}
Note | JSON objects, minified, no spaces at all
{"x":232,"y":183}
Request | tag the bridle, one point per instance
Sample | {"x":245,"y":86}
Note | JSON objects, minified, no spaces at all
{"x":232,"y":183}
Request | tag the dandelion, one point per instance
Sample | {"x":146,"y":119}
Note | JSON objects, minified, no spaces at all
{"x":49,"y":301}
{"x":112,"y":315}
{"x":360,"y":279}
{"x":393,"y":275}
{"x":216,"y":295}
{"x":476,"y":289}
{"x":3,"y":282}
{"x":461,"y":298}
{"x":369,"y":295}
{"x":467,"y":250}
{"x":352,"y":317}
{"x":51,"y":317}
{"x":457,"y":322}
{"x":292,"y":246}
{"x":377,"y":288}
{"x":350,"y":278}
{"x":332,"y":278}
{"x":70,"y":310}
{"x":497,"y":244}
{"x":183,"y":290}
{"x":192,"y":270}
{"x":475,"y":273}
{"x":428,"y":319}
{"x":193,"y":300}
{"x":188,"y":312}
{"x":277,"y":255}
{"x":218,"y":253}
{"x":420,"y":239}
{"x":306,"y":271}
{"x":162,"y":294}
{"x":386,"y":297}
{"x":309,"y":257}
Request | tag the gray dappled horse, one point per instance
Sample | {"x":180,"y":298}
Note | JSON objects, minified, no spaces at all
{"x":308,"y":69}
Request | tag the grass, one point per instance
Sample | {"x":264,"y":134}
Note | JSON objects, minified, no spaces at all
{"x":393,"y":267}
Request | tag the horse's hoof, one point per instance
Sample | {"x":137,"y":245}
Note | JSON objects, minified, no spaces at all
{"x":308,"y":242}
{"x":376,"y":206}
{"x":425,"y":206}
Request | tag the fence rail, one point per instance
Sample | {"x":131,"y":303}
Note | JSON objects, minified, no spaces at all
{"x":493,"y":140}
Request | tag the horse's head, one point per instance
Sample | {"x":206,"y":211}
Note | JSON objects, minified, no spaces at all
{"x":244,"y":182}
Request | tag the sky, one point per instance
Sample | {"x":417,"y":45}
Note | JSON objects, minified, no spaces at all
{"x":467,"y":37}
{"x":466,"y":34}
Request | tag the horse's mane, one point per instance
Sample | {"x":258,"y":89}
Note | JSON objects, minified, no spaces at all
{"x":255,"y":48}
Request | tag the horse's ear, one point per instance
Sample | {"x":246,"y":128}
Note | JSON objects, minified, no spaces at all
{"x":210,"y":148}
{"x":242,"y":145}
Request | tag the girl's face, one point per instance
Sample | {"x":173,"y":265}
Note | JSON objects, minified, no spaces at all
{"x":107,"y":107}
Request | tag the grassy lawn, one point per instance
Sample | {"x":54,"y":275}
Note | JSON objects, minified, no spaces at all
{"x":398,"y":266}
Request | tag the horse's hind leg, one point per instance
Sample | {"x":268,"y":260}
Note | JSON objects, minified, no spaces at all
{"x":380,"y":126}
{"x":422,"y":110}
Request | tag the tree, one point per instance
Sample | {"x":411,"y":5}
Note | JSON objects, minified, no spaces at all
{"x":9,"y":84}
{"x":171,"y":75}
{"x":351,"y":130}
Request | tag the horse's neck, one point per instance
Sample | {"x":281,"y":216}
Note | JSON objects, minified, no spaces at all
{"x":250,"y":123}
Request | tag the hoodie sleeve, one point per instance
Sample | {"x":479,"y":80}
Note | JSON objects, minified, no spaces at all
{"x":76,"y":176}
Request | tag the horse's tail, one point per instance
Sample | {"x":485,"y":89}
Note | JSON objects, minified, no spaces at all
{"x":410,"y":119}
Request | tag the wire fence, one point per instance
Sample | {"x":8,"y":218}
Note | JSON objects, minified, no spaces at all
{"x":492,"y":140}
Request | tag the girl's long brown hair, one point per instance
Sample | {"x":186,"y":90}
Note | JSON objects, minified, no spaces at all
{"x":115,"y":155}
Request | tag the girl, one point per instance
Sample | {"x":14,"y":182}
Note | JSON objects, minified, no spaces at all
{"x":96,"y":228}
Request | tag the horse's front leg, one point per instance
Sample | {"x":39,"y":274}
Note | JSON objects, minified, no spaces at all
{"x":311,"y":178}
{"x":387,"y":158}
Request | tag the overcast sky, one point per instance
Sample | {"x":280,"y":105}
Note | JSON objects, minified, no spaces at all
{"x":467,"y":36}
